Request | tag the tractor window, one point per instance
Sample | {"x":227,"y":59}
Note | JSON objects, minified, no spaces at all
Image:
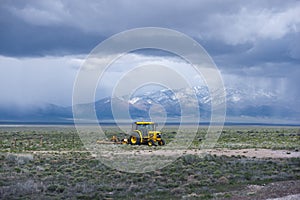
{"x":149,"y":127}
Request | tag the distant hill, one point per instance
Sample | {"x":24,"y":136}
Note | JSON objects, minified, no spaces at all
{"x":241,"y":104}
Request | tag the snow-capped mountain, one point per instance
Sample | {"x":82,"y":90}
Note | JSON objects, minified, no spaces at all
{"x":241,"y":104}
{"x":246,"y":102}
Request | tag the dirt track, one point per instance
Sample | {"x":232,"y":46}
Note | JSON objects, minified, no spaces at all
{"x":257,"y":153}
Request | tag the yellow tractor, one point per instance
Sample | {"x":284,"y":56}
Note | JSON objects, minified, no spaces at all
{"x":145,"y":133}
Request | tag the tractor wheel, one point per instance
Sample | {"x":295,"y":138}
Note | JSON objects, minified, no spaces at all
{"x":161,"y":142}
{"x":151,"y":143}
{"x":134,"y":140}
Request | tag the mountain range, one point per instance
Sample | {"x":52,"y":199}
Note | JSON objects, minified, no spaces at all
{"x":242,"y":105}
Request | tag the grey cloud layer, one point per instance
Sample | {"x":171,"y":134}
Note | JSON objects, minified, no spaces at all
{"x":245,"y":38}
{"x":72,"y":26}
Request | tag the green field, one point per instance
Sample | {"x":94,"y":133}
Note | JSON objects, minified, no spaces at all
{"x":52,"y":163}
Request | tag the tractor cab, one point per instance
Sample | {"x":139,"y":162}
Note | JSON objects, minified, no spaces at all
{"x":145,"y":133}
{"x":144,"y":127}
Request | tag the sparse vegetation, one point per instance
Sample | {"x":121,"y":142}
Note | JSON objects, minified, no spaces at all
{"x":62,"y":168}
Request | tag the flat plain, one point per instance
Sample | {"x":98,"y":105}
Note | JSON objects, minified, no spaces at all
{"x":51,"y":162}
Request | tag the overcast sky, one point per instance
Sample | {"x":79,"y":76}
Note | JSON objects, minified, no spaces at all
{"x":43,"y":43}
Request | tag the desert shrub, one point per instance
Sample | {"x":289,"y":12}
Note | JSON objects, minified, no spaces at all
{"x":52,"y":187}
{"x":189,"y":159}
{"x":18,"y":170}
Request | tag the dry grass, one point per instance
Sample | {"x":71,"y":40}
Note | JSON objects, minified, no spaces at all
{"x":60,"y":168}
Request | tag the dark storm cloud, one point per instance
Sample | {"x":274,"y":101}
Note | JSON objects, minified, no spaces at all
{"x":58,"y":27}
{"x":23,"y":39}
{"x":283,"y":51}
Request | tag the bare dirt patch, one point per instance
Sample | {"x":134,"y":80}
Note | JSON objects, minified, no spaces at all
{"x":281,"y":190}
{"x":258,"y":153}
{"x":251,"y":153}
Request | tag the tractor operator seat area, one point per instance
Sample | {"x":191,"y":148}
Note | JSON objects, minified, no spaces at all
{"x":149,"y":127}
